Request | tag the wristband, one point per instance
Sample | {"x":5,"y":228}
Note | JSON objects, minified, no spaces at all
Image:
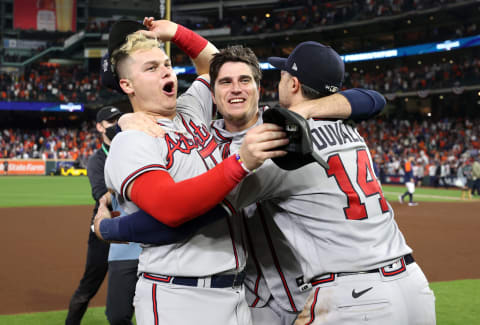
{"x":242,"y":163}
{"x":189,"y":42}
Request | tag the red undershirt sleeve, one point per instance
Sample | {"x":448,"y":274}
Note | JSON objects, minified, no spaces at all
{"x":173,"y":203}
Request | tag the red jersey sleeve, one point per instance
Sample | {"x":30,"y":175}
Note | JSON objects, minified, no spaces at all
{"x":173,"y":203}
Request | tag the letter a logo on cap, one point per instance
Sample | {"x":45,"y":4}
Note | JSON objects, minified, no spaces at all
{"x":105,"y":65}
{"x":294,"y":67}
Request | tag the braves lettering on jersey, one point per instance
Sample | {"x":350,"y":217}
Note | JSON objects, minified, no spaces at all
{"x":187,"y":150}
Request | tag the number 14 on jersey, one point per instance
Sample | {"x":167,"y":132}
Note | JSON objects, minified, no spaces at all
{"x":366,"y":180}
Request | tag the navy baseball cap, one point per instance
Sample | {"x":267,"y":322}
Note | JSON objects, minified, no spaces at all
{"x":315,"y":65}
{"x":108,"y":77}
{"x":119,"y":32}
{"x":108,"y":113}
{"x":117,"y":36}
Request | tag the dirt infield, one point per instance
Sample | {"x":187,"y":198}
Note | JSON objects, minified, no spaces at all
{"x":45,"y":250}
{"x":45,"y":257}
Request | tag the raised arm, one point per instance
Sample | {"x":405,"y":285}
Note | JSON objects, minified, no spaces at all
{"x":195,"y":46}
{"x":357,"y":104}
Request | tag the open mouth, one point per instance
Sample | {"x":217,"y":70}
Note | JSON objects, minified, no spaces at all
{"x":168,"y":88}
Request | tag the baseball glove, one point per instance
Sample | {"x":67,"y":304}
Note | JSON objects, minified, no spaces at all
{"x":299,"y":149}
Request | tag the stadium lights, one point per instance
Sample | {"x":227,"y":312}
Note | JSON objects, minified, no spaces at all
{"x":447,"y":45}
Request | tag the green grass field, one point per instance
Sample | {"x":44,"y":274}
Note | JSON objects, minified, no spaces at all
{"x":424,"y":194}
{"x":456,"y":304}
{"x":20,"y":191}
{"x":457,"y":301}
{"x":17,"y":191}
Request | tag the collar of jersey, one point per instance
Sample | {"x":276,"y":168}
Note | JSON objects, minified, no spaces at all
{"x":174,"y":125}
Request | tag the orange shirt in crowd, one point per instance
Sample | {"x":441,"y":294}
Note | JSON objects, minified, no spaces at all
{"x":408,"y":166}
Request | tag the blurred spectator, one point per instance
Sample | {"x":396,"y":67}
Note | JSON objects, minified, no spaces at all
{"x":476,"y":175}
{"x":464,"y":179}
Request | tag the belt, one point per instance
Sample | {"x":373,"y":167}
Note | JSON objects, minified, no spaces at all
{"x":214,"y":281}
{"x":387,"y":270}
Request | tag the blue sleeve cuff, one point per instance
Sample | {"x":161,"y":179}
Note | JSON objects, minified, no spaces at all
{"x":110,"y":229}
{"x":140,"y":227}
{"x":365,"y":103}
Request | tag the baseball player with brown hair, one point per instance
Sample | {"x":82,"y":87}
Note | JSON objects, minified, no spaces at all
{"x":204,"y":272}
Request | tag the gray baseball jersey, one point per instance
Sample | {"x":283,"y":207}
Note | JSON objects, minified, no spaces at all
{"x":335,"y":220}
{"x":310,"y":204}
{"x":187,"y":150}
{"x":272,"y":267}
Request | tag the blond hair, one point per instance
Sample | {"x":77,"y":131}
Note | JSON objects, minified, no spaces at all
{"x":135,"y":42}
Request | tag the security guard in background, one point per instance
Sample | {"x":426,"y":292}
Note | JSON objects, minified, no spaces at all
{"x":97,"y":252}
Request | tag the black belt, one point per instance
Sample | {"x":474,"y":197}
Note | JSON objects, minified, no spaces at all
{"x":385,"y":271}
{"x":216,"y":281}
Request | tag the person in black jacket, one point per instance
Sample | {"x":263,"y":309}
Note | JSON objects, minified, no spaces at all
{"x":97,"y":252}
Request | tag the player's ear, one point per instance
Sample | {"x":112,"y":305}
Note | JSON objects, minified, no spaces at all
{"x":213,"y":96}
{"x":295,"y":85}
{"x":100,"y":127}
{"x":126,"y":86}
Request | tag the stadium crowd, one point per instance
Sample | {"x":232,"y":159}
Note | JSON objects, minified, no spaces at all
{"x":447,"y":74}
{"x":61,"y":143}
{"x":304,"y":14}
{"x":75,"y":84}
{"x":440,"y":148}
{"x":54,"y":84}
{"x":299,"y":14}
{"x":418,"y":77}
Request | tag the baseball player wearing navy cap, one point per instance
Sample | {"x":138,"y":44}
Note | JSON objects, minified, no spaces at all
{"x":336,"y":220}
{"x":177,"y":177}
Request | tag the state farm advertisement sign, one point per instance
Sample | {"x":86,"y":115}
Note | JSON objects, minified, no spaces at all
{"x":24,"y":167}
